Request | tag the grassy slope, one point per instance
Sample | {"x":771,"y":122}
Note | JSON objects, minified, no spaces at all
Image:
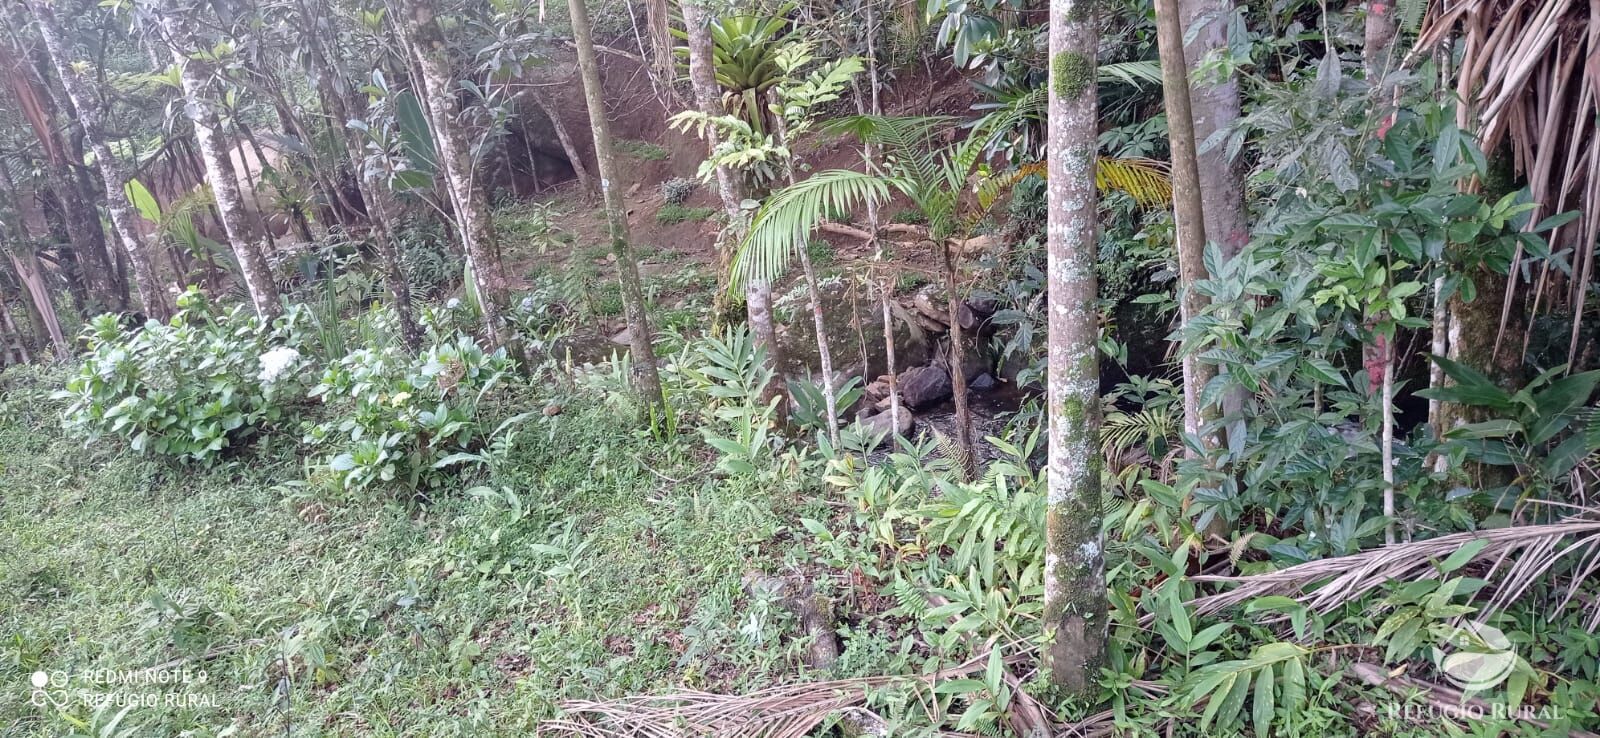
{"x":376,"y":618}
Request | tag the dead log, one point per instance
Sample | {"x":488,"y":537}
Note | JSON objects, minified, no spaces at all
{"x":812,"y":610}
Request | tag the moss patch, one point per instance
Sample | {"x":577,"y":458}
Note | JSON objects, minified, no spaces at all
{"x":1071,"y":73}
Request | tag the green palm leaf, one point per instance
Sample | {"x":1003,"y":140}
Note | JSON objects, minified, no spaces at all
{"x":783,"y":225}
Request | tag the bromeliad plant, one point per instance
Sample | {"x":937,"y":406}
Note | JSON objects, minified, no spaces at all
{"x":404,"y":421}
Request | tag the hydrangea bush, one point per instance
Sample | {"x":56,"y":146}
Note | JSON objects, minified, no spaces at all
{"x":190,"y":388}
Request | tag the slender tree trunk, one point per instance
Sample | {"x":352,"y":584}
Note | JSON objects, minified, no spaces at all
{"x":646,"y":380}
{"x":375,"y":195}
{"x":1188,"y":212}
{"x":151,"y":296}
{"x":880,"y":253}
{"x":8,"y":327}
{"x":830,"y":400}
{"x":1075,"y":618}
{"x":1214,"y":104}
{"x":455,"y":154}
{"x":758,"y":292}
{"x":574,"y":156}
{"x":1387,"y":398}
{"x":958,"y":372}
{"x":214,"y":152}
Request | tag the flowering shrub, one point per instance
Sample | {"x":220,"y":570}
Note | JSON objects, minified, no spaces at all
{"x":189,"y":388}
{"x":404,"y":419}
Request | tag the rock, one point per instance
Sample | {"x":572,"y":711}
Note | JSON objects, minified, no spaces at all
{"x":798,"y":345}
{"x":624,"y":338}
{"x":552,"y":410}
{"x":930,"y":304}
{"x":983,"y":382}
{"x":924,"y":385}
{"x":984,"y":305}
{"x":880,"y":423}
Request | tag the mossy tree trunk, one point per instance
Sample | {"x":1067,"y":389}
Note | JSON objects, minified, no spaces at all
{"x":1075,"y":618}
{"x":646,"y":380}
{"x":112,"y":175}
{"x":199,"y":104}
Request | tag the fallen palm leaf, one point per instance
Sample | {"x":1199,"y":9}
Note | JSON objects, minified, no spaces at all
{"x":786,"y":711}
{"x":1517,"y":557}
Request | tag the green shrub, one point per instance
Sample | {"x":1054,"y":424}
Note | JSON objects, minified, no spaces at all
{"x":404,"y":420}
{"x":189,"y":388}
{"x":674,"y":214}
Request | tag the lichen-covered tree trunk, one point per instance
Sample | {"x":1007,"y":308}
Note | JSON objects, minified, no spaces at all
{"x":112,"y":176}
{"x":730,"y":186}
{"x":455,"y":155}
{"x":1075,"y":623}
{"x":1187,"y":208}
{"x":195,"y":78}
{"x":645,"y":377}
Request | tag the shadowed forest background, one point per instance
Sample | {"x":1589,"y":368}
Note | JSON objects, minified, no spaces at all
{"x":857,"y":368}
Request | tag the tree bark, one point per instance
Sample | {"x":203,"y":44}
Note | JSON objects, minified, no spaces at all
{"x":958,"y":372}
{"x":1188,"y":212}
{"x":645,"y":377}
{"x":455,"y":155}
{"x":195,"y":77}
{"x":374,"y":194}
{"x":1075,"y":618}
{"x":1377,"y":51}
{"x":757,"y":292}
{"x":112,"y":175}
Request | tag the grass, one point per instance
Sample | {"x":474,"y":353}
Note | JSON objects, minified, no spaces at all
{"x":643,"y":150}
{"x":670,"y":214}
{"x":593,"y":562}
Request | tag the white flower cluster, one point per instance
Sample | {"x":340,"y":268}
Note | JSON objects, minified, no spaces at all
{"x":276,"y":361}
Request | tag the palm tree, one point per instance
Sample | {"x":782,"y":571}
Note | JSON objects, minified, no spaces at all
{"x":934,"y":180}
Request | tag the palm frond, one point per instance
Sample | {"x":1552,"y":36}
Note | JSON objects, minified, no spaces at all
{"x":784,"y":224}
{"x":1130,"y":72}
{"x":1517,"y":557}
{"x":1147,"y":181}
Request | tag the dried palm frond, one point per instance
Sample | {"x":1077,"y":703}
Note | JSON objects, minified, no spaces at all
{"x":1529,"y":76}
{"x":786,"y":711}
{"x":1517,"y":558}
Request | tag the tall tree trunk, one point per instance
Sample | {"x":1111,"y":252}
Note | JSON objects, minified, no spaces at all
{"x":646,"y":380}
{"x":381,"y":209}
{"x":455,"y":155}
{"x":730,"y":186}
{"x":112,"y":176}
{"x":1214,"y":105}
{"x":214,"y":152}
{"x":1075,"y":618}
{"x":1188,"y":211}
{"x":830,"y":398}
